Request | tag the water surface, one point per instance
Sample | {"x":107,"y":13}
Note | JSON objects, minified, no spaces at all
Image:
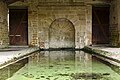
{"x":64,"y":65}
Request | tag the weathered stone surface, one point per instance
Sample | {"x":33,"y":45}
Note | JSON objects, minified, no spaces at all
{"x":43,"y":16}
{"x":115,"y":23}
{"x":106,"y":55}
{"x":42,"y":13}
{"x":4,"y":40}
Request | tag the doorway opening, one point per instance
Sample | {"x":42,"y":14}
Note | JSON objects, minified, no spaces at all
{"x":18,"y":27}
{"x":100,"y":25}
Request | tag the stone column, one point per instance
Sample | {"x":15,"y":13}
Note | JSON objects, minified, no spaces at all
{"x":4,"y":39}
{"x":88,"y":37}
{"x":115,"y":23}
{"x":118,"y":8}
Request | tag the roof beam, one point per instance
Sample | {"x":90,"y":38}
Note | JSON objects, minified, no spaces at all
{"x":11,"y":1}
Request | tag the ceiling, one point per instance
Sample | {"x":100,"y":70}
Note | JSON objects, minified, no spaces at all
{"x":11,"y":1}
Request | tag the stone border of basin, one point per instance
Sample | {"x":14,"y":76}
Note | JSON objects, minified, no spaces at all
{"x":25,"y":53}
{"x":105,"y":56}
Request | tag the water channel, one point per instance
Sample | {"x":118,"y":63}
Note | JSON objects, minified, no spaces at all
{"x":64,"y":65}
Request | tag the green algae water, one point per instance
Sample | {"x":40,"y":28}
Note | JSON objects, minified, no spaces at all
{"x":64,"y":65}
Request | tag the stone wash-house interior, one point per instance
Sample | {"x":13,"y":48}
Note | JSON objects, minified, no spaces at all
{"x":59,"y":39}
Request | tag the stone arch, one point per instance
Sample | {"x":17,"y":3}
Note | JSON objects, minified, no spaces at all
{"x":62,"y":34}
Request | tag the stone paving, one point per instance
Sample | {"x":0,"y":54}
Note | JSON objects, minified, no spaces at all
{"x":10,"y":55}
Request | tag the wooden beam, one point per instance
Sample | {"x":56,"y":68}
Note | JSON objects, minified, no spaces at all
{"x":11,"y":1}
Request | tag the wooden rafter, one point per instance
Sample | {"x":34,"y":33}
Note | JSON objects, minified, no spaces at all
{"x":11,"y":1}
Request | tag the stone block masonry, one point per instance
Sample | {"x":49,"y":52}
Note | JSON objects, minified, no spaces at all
{"x":80,"y":15}
{"x":41,"y":16}
{"x":115,"y":23}
{"x":4,"y":40}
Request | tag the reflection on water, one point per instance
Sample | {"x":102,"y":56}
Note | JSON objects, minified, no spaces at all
{"x":64,"y":65}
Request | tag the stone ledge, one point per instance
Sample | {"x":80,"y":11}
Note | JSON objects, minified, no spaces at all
{"x":102,"y":53}
{"x":61,"y":4}
{"x":11,"y":57}
{"x":105,"y":56}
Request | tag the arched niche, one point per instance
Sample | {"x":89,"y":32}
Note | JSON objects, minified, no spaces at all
{"x":61,"y":34}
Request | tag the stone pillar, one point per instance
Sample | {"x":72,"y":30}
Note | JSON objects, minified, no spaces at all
{"x":33,"y":24}
{"x":88,"y":40}
{"x":4,"y":40}
{"x":115,"y":23}
{"x":118,"y":8}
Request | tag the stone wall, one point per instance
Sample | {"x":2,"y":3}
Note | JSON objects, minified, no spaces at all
{"x":4,"y":40}
{"x":41,"y":15}
{"x":43,"y":12}
{"x":115,"y":23}
{"x":118,"y":5}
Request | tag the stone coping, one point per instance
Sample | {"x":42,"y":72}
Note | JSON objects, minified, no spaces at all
{"x":8,"y":56}
{"x":105,"y":54}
